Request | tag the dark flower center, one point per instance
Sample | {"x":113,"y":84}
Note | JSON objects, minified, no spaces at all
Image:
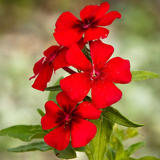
{"x":68,"y":117}
{"x":86,"y":23}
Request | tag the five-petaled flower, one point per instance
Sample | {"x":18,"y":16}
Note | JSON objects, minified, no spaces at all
{"x":69,"y":29}
{"x":98,"y":75}
{"x":69,"y":122}
{"x":55,"y":58}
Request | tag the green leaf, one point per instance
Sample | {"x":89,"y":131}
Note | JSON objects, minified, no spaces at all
{"x":110,"y":154}
{"x":114,"y":115}
{"x":53,"y":88}
{"x":23,"y":132}
{"x":142,"y":75}
{"x":40,"y":112}
{"x":100,"y":142}
{"x":134,"y":147}
{"x":119,"y":149}
{"x":41,"y":146}
{"x":53,"y":93}
{"x":148,"y":158}
{"x":67,"y":153}
{"x":80,"y":149}
{"x":126,"y":133}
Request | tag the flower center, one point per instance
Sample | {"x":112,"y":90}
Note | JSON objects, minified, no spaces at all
{"x":86,"y":23}
{"x":94,"y":74}
{"x":68,"y":118}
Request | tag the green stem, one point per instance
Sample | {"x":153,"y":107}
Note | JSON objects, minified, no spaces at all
{"x":97,"y":148}
{"x":89,"y":152}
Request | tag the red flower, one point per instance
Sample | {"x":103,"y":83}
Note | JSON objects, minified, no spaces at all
{"x":69,"y":29}
{"x":69,"y":121}
{"x":100,"y":76}
{"x":55,"y":58}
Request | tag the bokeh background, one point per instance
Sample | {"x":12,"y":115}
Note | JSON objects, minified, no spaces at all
{"x":26,"y":28}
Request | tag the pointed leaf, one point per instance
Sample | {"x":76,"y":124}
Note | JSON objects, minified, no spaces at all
{"x":148,"y":158}
{"x":100,"y":142}
{"x":67,"y":153}
{"x":114,"y":115}
{"x":134,"y":147}
{"x":119,"y":149}
{"x":142,"y":75}
{"x":41,"y":146}
{"x":53,"y":88}
{"x":23,"y":132}
{"x":40,"y":112}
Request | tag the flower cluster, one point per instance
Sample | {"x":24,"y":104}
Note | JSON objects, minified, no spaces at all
{"x":96,"y":71}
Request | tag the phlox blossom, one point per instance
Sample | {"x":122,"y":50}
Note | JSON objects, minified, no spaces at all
{"x":100,"y":76}
{"x":69,"y":122}
{"x":54,"y":58}
{"x":70,"y":29}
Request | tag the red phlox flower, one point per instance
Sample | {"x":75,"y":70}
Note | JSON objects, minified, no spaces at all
{"x":55,"y":58}
{"x":70,"y":29}
{"x":98,"y":76}
{"x":69,"y":121}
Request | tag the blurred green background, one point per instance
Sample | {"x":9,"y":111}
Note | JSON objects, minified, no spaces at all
{"x":26,"y":28}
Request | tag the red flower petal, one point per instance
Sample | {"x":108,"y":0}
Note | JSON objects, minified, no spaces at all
{"x":81,"y":43}
{"x":65,"y":34}
{"x":101,"y":10}
{"x":64,"y":101}
{"x":118,"y":70}
{"x":82,"y":132}
{"x":65,"y":21}
{"x":93,"y":33}
{"x":87,"y":11}
{"x":76,"y":86}
{"x":60,"y":60}
{"x":108,"y":18}
{"x":86,"y":110}
{"x":44,"y":77}
{"x":100,"y":53}
{"x":50,"y":50}
{"x":37,"y":67}
{"x":104,"y":94}
{"x":77,"y":59}
{"x":48,"y":121}
{"x":58,"y":138}
{"x":68,"y":37}
{"x":52,"y":109}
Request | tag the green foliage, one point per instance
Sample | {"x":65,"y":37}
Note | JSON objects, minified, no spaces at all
{"x":134,"y":147}
{"x":41,"y":146}
{"x":54,"y":88}
{"x":148,"y":158}
{"x":115,"y":116}
{"x":23,"y":132}
{"x":80,"y":149}
{"x":99,"y":145}
{"x":54,"y":91}
{"x":116,"y":150}
{"x":40,"y":112}
{"x":142,"y":75}
{"x":67,"y":153}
